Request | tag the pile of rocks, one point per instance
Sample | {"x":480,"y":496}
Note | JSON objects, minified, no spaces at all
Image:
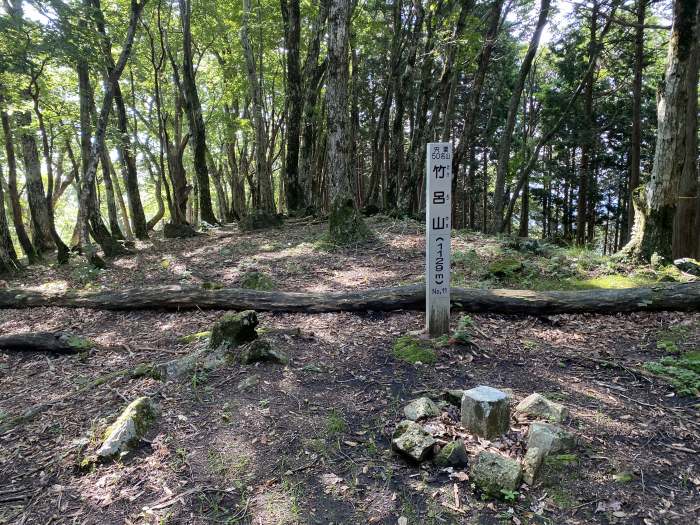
{"x":484,"y":423}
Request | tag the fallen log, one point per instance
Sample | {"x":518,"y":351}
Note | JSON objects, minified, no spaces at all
{"x":57,"y":342}
{"x":684,"y":297}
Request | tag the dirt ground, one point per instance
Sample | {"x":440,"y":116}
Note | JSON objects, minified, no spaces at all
{"x":310,"y":443}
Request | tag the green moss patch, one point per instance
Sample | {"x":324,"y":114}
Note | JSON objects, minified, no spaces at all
{"x":257,"y":281}
{"x":682,"y":373}
{"x":191,"y":338}
{"x":506,"y":267}
{"x":413,"y":350}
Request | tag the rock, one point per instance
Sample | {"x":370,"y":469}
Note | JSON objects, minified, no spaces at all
{"x":531,"y":464}
{"x":178,"y":231}
{"x":262,"y":350}
{"x":421,"y":408}
{"x":256,"y":280}
{"x":452,"y":455}
{"x":412,"y":440}
{"x":454,"y":397}
{"x":485,"y":412}
{"x":505,"y":267}
{"x":688,"y":265}
{"x":493,"y":473}
{"x":248,"y":383}
{"x":539,"y":406}
{"x":234,"y":329}
{"x":550,"y":439}
{"x":260,"y":220}
{"x":129,"y":428}
{"x":203,"y":359}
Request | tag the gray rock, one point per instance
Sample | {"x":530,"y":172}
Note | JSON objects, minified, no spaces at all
{"x":688,"y":265}
{"x":421,"y":408}
{"x":128,"y":429}
{"x":452,"y":455}
{"x":412,"y":440}
{"x":493,"y":473}
{"x":550,"y":439}
{"x":262,"y":350}
{"x":454,"y":397}
{"x":248,"y":383}
{"x":531,"y":464}
{"x":539,"y":406}
{"x":204,"y":359}
{"x":234,"y":329}
{"x":485,"y":412}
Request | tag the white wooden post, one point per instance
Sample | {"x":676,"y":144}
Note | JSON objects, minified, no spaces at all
{"x":438,"y":213}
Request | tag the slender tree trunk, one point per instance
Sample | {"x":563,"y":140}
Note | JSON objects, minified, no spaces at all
{"x":193,"y":108}
{"x":119,"y":197}
{"x":17,"y":218}
{"x":513,"y":105}
{"x":636,"y":137}
{"x":111,"y":201}
{"x":264,"y":177}
{"x":8,"y":256}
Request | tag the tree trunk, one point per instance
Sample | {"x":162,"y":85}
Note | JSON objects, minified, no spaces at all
{"x":56,"y":342}
{"x":685,"y":297}
{"x":657,"y":206}
{"x":264,"y":177}
{"x":17,"y":218}
{"x":513,"y":105}
{"x":8,"y":256}
{"x":636,"y":136}
{"x":345,"y":222}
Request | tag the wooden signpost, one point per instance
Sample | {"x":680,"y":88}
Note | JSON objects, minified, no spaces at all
{"x":438,"y":213}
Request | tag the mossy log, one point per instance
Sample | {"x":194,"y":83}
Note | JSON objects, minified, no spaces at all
{"x":684,"y":297}
{"x":57,"y":342}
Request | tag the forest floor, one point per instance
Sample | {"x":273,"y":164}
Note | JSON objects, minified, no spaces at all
{"x":310,"y":442}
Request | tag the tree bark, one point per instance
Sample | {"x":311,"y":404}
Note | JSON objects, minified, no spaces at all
{"x":683,"y":297}
{"x":636,"y":135}
{"x":8,"y":256}
{"x":57,"y":342}
{"x":194,"y":114}
{"x":654,"y":219}
{"x":345,"y":222}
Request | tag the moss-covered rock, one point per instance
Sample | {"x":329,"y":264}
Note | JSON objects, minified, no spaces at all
{"x":128,"y":429}
{"x":193,"y":338}
{"x":421,"y":408}
{"x":494,"y":473}
{"x":538,"y":406}
{"x":413,"y":350}
{"x":234,"y":329}
{"x":345,"y":224}
{"x":260,"y":220}
{"x":178,"y":231}
{"x":454,"y":454}
{"x":411,"y":439}
{"x":262,"y":350}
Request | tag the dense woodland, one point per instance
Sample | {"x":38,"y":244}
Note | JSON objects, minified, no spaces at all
{"x":120,"y":117}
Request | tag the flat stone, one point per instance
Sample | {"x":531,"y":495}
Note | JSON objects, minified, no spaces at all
{"x":452,"y":455}
{"x":531,"y":464}
{"x":421,"y":408}
{"x":493,"y":473}
{"x":234,"y":329}
{"x":539,"y":406}
{"x":411,"y":439}
{"x":688,"y":265}
{"x":486,"y":412}
{"x":128,"y":429}
{"x":550,"y":439}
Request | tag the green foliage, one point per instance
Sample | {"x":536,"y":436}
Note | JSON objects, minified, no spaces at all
{"x":413,"y":350}
{"x":257,"y":281}
{"x":505,"y":267}
{"x":335,"y":424}
{"x":682,"y":373}
{"x":463,"y":333}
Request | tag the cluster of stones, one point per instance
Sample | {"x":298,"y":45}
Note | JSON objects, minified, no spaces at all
{"x":485,"y":412}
